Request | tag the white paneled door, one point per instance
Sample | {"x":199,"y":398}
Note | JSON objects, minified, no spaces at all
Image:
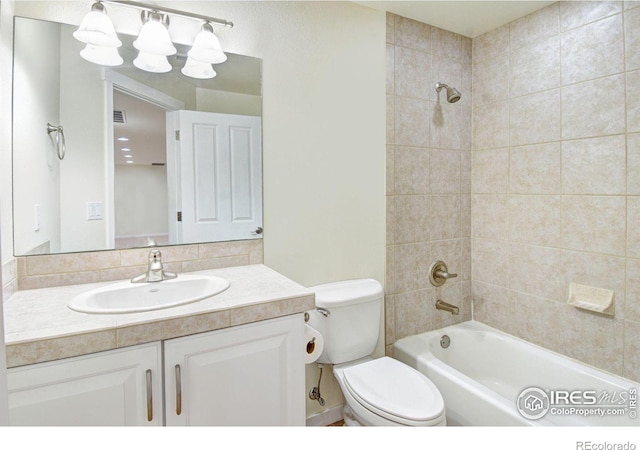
{"x":214,"y":171}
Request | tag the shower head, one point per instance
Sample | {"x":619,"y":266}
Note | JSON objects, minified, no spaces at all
{"x":453,"y":95}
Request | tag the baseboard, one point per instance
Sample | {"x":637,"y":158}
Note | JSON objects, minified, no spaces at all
{"x":326,"y":417}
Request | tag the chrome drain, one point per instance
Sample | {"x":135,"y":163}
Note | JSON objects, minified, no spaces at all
{"x":445,"y":341}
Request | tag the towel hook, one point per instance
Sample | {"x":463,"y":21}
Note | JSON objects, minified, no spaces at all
{"x":61,"y":146}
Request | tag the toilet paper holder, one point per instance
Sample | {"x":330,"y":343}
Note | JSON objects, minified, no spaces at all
{"x":323,"y":311}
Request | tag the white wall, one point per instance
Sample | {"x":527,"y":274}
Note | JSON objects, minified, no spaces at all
{"x":140,"y":194}
{"x":82,"y":112}
{"x":37,"y":86}
{"x":323,"y":131}
{"x":228,"y":102}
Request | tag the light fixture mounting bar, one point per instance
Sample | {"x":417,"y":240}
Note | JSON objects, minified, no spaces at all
{"x":174,"y":12}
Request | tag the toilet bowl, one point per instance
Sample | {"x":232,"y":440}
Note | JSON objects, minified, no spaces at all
{"x":386,"y":392}
{"x":377,"y":392}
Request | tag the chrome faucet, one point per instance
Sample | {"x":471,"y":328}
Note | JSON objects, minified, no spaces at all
{"x":155,"y":272}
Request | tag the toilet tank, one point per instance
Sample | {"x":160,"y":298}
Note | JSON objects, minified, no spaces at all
{"x":351,"y":328}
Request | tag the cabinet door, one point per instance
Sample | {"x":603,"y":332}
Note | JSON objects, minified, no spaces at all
{"x":249,"y":375}
{"x":119,"y":387}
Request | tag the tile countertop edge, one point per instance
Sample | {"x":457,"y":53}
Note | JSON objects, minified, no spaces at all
{"x":52,"y":344}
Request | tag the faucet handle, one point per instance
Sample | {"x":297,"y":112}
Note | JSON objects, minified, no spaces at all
{"x":439,"y":274}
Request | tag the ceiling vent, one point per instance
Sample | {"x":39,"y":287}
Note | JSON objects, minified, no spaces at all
{"x":119,"y":117}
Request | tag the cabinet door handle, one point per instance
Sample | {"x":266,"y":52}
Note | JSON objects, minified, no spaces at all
{"x":178,"y":390}
{"x":149,"y":396}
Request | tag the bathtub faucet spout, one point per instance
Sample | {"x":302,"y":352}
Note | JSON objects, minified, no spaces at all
{"x":444,"y":306}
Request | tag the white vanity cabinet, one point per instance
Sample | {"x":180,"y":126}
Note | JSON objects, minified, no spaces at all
{"x":246,"y":375}
{"x":116,"y":387}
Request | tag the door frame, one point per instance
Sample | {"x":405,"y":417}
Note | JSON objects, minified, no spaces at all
{"x":116,"y":81}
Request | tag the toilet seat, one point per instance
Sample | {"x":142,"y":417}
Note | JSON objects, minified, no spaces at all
{"x":395,"y":391}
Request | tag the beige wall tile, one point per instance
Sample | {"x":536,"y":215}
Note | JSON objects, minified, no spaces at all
{"x":390,"y":183}
{"x":391,"y":28}
{"x":412,"y":73}
{"x":535,"y":27}
{"x":490,"y":171}
{"x":490,"y":44}
{"x":632,"y":300}
{"x":389,"y":319}
{"x":593,"y":108}
{"x":632,"y":350}
{"x":576,"y":13}
{"x":594,"y":224}
{"x":446,"y":43}
{"x":391,"y":67}
{"x":534,"y":270}
{"x":489,"y":216}
{"x":490,"y":261}
{"x":633,"y":101}
{"x":445,"y":171}
{"x":450,"y":125}
{"x":411,"y":118}
{"x":444,"y":220}
{"x":491,"y":126}
{"x":633,"y":164}
{"x":215,"y":263}
{"x":414,"y":312}
{"x":535,"y":219}
{"x":546,"y":126}
{"x":535,"y":68}
{"x":632,"y":38}
{"x":490,"y":304}
{"x":391,"y":120}
{"x":411,"y":266}
{"x":593,"y":51}
{"x":594,"y":166}
{"x":411,"y":170}
{"x":412,"y":34}
{"x":412,"y":218}
{"x":535,"y":169}
{"x":633,"y":228}
{"x":71,"y":262}
{"x":490,"y":79}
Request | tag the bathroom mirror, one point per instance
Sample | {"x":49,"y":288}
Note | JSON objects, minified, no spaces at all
{"x":115,"y":176}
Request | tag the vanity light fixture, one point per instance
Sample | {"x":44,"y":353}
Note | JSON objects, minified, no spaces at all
{"x":153,"y":42}
{"x":123,"y":139}
{"x":128,"y":156}
{"x":125,"y":149}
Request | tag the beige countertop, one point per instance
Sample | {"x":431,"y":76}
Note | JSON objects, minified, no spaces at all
{"x":40,"y":327}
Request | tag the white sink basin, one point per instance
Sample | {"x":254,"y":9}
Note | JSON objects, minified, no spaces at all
{"x":126,"y":297}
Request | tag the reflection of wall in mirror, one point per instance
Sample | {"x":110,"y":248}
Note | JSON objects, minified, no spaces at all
{"x":36,"y":167}
{"x":140,"y":194}
{"x":83,"y":172}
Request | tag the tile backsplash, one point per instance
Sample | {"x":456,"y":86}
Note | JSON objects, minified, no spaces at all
{"x":35,"y":272}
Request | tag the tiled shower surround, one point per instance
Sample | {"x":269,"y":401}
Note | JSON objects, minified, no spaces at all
{"x":428,"y":176}
{"x":555,"y":179}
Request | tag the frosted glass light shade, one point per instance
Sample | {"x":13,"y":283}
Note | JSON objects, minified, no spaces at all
{"x":198,"y":69}
{"x":105,"y":56}
{"x":150,"y":62}
{"x":206,"y":47}
{"x":96,"y":29}
{"x":154,"y":38}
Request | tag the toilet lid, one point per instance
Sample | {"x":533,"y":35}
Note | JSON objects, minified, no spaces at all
{"x":394,"y":390}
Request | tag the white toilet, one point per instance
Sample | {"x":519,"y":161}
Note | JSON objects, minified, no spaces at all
{"x":380,"y":391}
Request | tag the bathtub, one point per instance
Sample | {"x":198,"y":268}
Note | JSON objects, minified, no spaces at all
{"x":487,"y":377}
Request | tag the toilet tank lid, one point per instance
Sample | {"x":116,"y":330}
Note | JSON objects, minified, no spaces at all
{"x":350,"y":292}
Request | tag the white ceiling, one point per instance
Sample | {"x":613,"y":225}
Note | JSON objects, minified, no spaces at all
{"x":468,"y":18}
